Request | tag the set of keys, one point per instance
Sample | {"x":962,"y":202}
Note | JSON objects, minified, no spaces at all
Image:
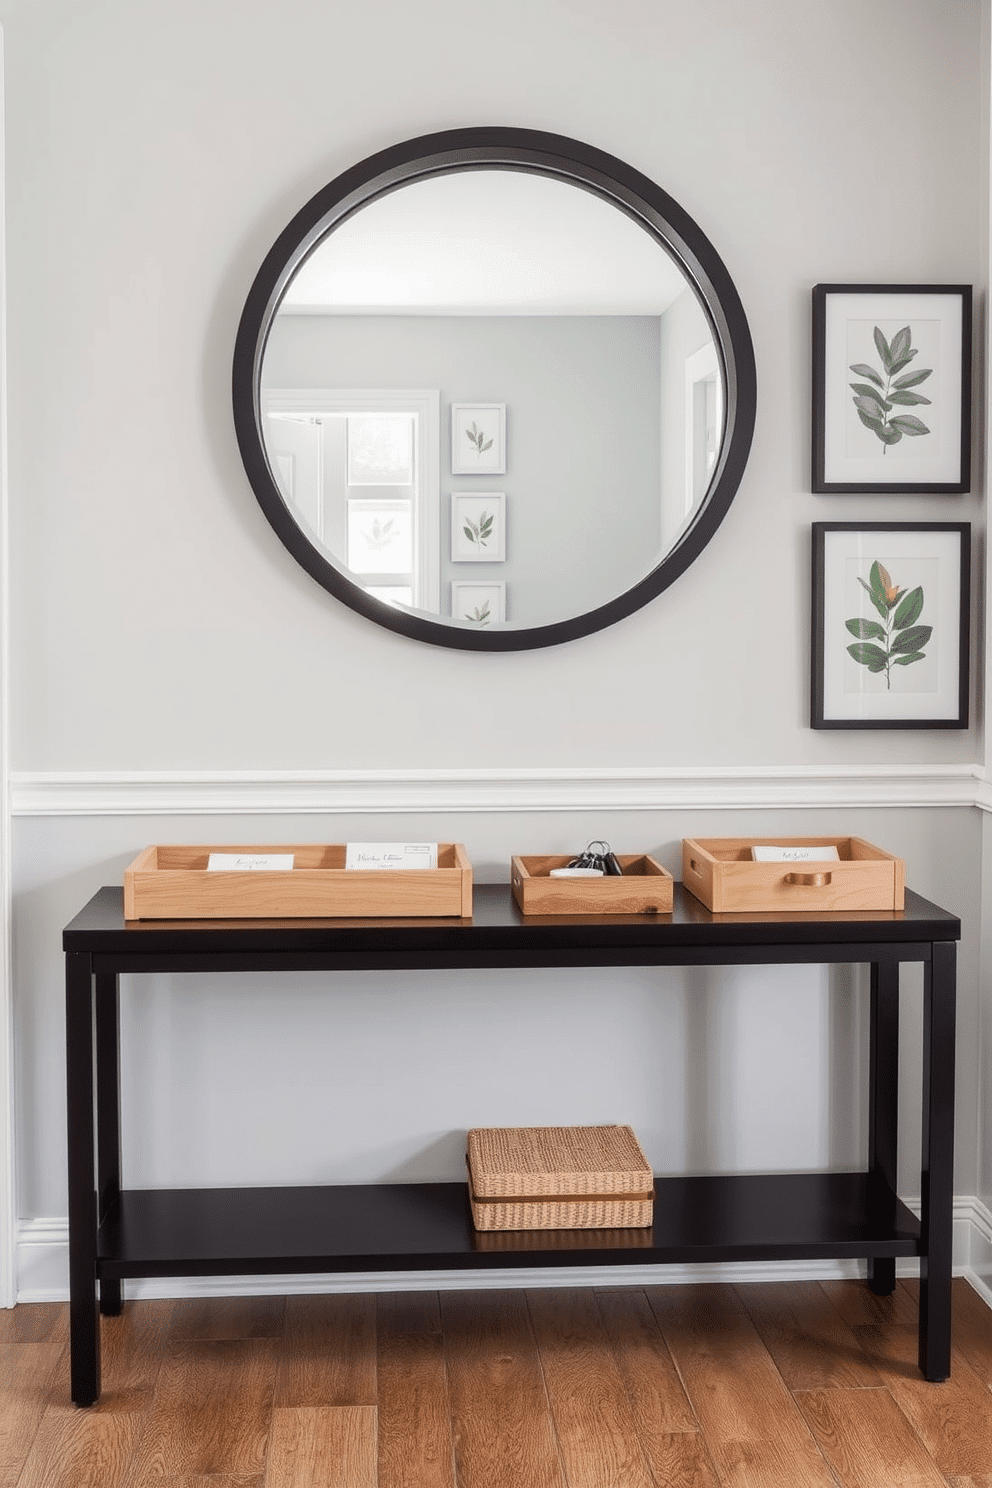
{"x":598,"y":857}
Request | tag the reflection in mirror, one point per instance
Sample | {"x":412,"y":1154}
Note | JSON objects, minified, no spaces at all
{"x":481,"y":289}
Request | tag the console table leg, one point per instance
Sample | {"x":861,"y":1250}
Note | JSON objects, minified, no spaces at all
{"x":108,"y":1118}
{"x":937,"y":1178}
{"x":84,"y":1321}
{"x":883,"y":1100}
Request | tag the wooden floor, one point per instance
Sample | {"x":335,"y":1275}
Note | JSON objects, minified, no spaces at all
{"x":711,"y":1386}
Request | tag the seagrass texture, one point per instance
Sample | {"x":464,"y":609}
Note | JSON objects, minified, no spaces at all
{"x":558,"y":1177}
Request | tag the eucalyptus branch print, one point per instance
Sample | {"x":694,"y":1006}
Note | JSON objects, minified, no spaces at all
{"x":898,"y":640}
{"x":876,"y":397}
{"x":480,"y":532}
{"x":477,"y":439}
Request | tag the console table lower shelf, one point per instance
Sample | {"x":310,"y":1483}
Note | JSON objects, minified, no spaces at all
{"x":428,"y":1226}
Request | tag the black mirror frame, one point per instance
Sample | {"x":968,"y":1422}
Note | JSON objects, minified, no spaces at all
{"x":544,"y":154}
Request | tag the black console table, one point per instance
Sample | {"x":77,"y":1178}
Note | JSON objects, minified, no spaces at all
{"x":115,"y":1232}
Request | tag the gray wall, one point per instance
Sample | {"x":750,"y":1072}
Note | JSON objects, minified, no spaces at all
{"x":158,"y":625}
{"x":582,"y":399}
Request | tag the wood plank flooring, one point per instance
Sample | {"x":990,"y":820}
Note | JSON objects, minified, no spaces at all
{"x":806,"y":1385}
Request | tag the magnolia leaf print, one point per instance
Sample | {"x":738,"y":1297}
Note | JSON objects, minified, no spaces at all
{"x":895,"y":641}
{"x":477,"y":439}
{"x":480,"y":532}
{"x":878,"y":395}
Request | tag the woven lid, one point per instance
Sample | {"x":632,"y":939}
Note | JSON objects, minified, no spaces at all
{"x":508,"y":1160}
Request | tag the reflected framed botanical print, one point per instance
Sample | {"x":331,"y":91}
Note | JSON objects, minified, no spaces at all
{"x":478,"y":438}
{"x":478,"y":527}
{"x":479,"y":604}
{"x":891,"y":388}
{"x":890,"y":625}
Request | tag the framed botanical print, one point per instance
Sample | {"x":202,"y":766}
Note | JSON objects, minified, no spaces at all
{"x":891,"y":388}
{"x":890,"y":625}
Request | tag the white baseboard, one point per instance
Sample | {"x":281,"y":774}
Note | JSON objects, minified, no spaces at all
{"x":43,"y":1269}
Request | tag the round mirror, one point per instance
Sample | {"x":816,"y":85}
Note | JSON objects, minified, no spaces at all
{"x":494,"y":389}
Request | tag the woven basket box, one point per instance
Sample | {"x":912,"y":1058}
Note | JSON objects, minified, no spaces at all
{"x":558,"y":1178}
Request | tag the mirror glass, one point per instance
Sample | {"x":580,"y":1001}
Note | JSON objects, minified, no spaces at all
{"x":491,"y":402}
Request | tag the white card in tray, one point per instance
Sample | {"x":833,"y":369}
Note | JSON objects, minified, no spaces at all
{"x":392,"y":855}
{"x":221,"y":862}
{"x":795,"y":854}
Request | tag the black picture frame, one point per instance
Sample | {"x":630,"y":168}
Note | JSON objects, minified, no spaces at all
{"x":854,"y":453}
{"x":910,"y":555}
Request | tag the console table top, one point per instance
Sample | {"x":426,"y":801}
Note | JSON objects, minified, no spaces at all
{"x":497,"y":924}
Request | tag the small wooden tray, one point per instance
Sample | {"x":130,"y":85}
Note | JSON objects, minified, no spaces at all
{"x":721,"y":872}
{"x":645,"y":888}
{"x":173,"y":883}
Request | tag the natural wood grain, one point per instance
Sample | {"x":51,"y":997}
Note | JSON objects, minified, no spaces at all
{"x":806,"y":1336}
{"x":211,"y":1319}
{"x":681,"y":1460}
{"x":415,"y":1446}
{"x":327,"y":1353}
{"x":683,"y":1384}
{"x":32,"y":1322}
{"x":867,"y":1440}
{"x":211,"y":1410}
{"x":501,"y":1425}
{"x":81,"y":1449}
{"x":972,"y":1328}
{"x":953,"y":1420}
{"x":754,"y":1430}
{"x":860,"y":1307}
{"x":28,"y":1383}
{"x":322,"y":1447}
{"x":659,"y":1402}
{"x":209,"y":1480}
{"x":592,"y":1414}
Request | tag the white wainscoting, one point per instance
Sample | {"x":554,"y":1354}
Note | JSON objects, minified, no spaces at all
{"x":398,"y":792}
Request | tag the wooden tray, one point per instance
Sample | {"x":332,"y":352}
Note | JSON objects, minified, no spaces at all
{"x":645,"y":888}
{"x":721,"y":872}
{"x":558,"y":1177}
{"x":172,"y":883}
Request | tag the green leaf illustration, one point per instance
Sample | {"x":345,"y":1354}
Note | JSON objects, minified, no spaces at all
{"x":909,"y":610}
{"x":874,"y":399}
{"x":866,"y":630}
{"x":882,"y":347}
{"x":908,"y":423}
{"x":863,"y":370}
{"x":899,"y":346}
{"x":902,"y":639}
{"x":913,"y":379}
{"x":913,"y":638}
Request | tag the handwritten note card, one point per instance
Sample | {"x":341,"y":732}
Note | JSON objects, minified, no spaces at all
{"x":391,"y":855}
{"x":222,"y":862}
{"x":795,"y":854}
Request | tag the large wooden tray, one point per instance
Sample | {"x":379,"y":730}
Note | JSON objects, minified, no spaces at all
{"x":173,"y":883}
{"x":722,"y":874}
